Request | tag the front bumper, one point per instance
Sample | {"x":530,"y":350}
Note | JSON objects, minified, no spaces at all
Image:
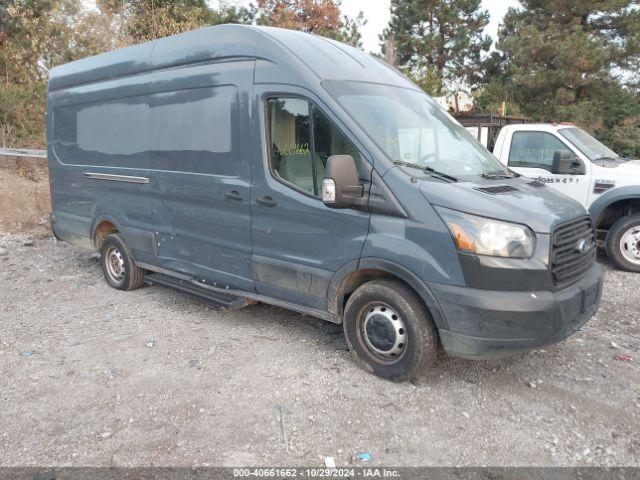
{"x":486,"y":324}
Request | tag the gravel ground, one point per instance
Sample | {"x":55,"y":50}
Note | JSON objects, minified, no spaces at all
{"x":91,"y":376}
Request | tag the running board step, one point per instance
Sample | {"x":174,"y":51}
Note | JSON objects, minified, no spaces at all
{"x":218,"y":300}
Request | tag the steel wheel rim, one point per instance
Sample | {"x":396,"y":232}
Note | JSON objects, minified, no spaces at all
{"x":382,"y":332}
{"x":630,"y":245}
{"x":114,"y":264}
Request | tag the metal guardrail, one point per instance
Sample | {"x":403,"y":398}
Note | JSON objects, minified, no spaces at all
{"x":23,"y":152}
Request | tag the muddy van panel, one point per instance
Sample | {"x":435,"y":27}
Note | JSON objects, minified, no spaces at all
{"x":265,"y":164}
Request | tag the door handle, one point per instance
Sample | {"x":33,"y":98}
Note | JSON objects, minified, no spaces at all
{"x":267,"y":201}
{"x":234,"y":195}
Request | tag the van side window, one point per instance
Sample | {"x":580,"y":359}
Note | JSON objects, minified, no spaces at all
{"x":301,"y":140}
{"x":534,"y":150}
{"x":182,"y":131}
{"x":290,"y":142}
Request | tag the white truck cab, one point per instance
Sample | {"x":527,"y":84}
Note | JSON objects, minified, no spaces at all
{"x":568,"y":159}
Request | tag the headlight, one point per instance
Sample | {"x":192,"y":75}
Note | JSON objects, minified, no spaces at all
{"x":487,"y":236}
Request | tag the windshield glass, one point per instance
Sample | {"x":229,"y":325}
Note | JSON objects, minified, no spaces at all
{"x":588,"y":145}
{"x":410,"y":127}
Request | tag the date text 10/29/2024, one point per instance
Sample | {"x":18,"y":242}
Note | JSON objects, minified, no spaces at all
{"x":316,"y":472}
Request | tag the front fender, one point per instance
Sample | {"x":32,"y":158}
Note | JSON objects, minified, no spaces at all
{"x":398,"y":271}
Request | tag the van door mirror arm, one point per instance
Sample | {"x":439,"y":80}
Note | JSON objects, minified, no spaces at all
{"x":361,"y":195}
{"x":353,"y":191}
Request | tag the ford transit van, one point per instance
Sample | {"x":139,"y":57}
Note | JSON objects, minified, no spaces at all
{"x":243,"y":164}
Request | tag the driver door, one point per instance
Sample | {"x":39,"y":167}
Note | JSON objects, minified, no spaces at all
{"x":298,"y":242}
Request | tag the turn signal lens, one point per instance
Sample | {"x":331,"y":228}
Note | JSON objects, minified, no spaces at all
{"x":328,"y":190}
{"x":462,"y":239}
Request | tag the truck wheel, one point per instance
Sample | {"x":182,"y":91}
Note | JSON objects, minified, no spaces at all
{"x":390,"y":331}
{"x":118,"y":266}
{"x":623,"y":243}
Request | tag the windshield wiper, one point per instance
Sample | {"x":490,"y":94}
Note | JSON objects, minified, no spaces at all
{"x":430,"y":170}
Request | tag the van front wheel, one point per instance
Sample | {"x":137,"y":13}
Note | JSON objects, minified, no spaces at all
{"x":390,"y":331}
{"x":623,"y":243}
{"x":118,"y":265}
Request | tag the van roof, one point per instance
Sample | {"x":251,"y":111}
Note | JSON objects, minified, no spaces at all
{"x":302,"y":52}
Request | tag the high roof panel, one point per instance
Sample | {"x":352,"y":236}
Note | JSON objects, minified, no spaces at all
{"x":333,"y":60}
{"x":301,"y":52}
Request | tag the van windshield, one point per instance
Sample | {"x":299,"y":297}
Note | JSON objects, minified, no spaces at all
{"x":592,"y":148}
{"x":411,"y":128}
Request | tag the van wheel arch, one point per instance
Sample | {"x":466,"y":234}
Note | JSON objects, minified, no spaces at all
{"x":355,"y":280}
{"x":352,"y":281}
{"x":102,"y":227}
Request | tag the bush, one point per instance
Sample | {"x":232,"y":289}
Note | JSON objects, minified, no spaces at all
{"x":22,"y":110}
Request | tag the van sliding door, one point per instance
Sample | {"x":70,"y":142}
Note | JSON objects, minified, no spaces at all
{"x":200,"y":172}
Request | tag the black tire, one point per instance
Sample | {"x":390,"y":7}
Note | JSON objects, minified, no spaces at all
{"x":619,"y":252}
{"x":118,"y":265}
{"x":378,"y":301}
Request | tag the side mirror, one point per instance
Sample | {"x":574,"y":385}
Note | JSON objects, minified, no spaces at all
{"x":340,"y":188}
{"x":566,"y":163}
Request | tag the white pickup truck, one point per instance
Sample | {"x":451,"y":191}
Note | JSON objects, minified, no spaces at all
{"x":566,"y":158}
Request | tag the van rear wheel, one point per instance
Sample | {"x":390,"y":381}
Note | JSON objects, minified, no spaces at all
{"x":623,"y":243}
{"x":390,"y":331}
{"x":118,"y":265}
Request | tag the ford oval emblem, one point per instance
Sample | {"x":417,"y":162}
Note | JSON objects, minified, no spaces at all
{"x":582,"y":245}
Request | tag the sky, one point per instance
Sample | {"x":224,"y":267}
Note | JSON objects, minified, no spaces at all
{"x":376,"y":12}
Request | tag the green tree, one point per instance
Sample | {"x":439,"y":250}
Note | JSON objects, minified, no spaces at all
{"x":438,"y":42}
{"x":34,"y":36}
{"x":561,"y":53}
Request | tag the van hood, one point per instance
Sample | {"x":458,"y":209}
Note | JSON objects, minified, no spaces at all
{"x":538,"y":207}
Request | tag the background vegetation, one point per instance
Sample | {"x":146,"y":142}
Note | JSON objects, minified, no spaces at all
{"x":555,"y":60}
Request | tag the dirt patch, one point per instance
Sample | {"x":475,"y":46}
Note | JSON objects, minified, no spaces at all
{"x":25,"y":202}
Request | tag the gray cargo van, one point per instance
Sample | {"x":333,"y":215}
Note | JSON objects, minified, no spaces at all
{"x":242,"y":164}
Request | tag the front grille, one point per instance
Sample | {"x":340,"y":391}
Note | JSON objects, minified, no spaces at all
{"x":570,"y":256}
